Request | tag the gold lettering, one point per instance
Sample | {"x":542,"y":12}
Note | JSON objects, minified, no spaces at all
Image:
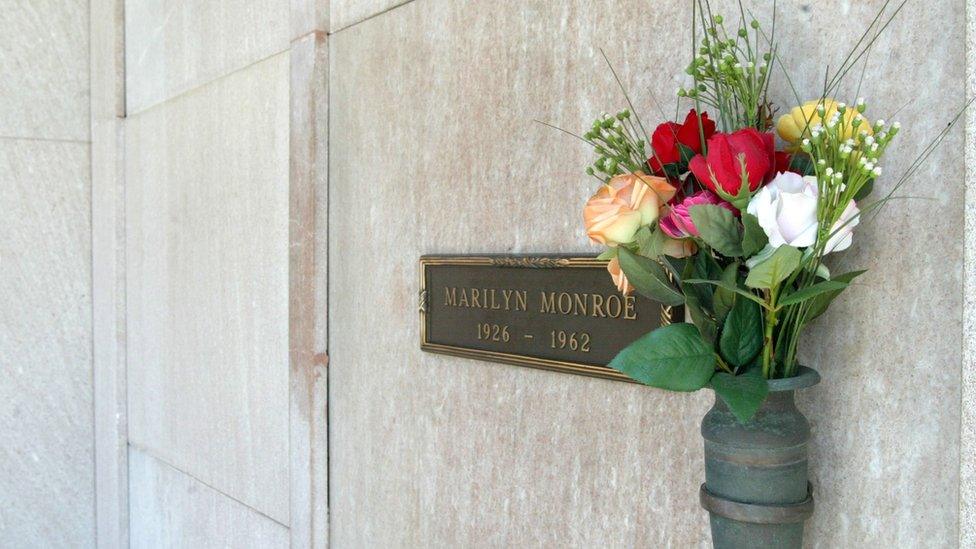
{"x":450,"y":297}
{"x":597,"y":306}
{"x":494,"y":304}
{"x":568,"y":303}
{"x":611,"y":300}
{"x":463,"y":302}
{"x":630,"y":312}
{"x":475,"y":297}
{"x":507,"y":294}
{"x":548,"y":305}
{"x":521,"y":299}
{"x":579,"y":304}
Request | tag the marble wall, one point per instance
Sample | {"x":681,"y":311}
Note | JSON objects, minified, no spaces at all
{"x":224,"y":154}
{"x":255,"y":182}
{"x":434,"y":150}
{"x":46,"y":425}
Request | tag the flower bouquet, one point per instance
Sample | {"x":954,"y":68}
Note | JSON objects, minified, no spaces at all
{"x":708,"y":212}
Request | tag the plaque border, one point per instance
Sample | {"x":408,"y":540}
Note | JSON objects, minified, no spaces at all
{"x":526,"y":261}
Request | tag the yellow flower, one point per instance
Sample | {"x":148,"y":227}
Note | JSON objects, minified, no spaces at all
{"x":796,"y":124}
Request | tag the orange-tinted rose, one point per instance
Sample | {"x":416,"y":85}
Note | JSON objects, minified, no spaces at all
{"x":625,"y":204}
{"x":618,"y":276}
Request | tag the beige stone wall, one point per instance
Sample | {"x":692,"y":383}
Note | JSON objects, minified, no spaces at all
{"x":212,"y":215}
{"x":223,"y":160}
{"x":46,"y":443}
{"x":433,"y":150}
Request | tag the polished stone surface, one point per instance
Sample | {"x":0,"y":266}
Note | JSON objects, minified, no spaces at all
{"x":433,"y":150}
{"x":44,"y":63}
{"x":207,"y":283}
{"x":46,"y":456}
{"x":345,"y":13}
{"x":175,"y":45}
{"x":967,"y":451}
{"x":172,"y":509}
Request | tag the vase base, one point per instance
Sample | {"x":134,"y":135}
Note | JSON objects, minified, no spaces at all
{"x":737,"y":525}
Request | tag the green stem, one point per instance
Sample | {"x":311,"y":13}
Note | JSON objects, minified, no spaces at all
{"x":770,"y":325}
{"x":723,"y":365}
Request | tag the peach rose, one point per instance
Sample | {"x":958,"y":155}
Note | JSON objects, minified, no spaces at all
{"x":625,"y":204}
{"x":618,"y":276}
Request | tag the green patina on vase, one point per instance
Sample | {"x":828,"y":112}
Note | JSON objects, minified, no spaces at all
{"x":756,"y":488}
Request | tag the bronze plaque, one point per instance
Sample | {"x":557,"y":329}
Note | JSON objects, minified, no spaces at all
{"x":554,"y":312}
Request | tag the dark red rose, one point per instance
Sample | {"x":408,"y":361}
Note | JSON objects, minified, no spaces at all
{"x":783,"y":160}
{"x":667,"y":137}
{"x":720,"y":170}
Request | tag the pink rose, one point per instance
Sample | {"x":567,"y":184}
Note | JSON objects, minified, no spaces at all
{"x":678,"y":223}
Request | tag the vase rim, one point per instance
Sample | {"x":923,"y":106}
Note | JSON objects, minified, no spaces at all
{"x":806,"y":377}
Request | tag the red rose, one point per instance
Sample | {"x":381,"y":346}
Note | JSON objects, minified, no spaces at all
{"x":721,"y":169}
{"x":667,"y":136}
{"x":782,"y":164}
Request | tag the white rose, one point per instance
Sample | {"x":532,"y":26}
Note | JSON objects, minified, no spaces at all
{"x":787,"y":211}
{"x":842,"y":235}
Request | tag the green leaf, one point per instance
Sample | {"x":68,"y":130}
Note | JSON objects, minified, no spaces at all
{"x":673,"y":357}
{"x":741,"y":199}
{"x":723,"y":299}
{"x":743,"y":394}
{"x":718,"y":228}
{"x":731,"y":287}
{"x":865,"y":190}
{"x":802,"y":164}
{"x":698,"y":298}
{"x":742,"y":336}
{"x":774,"y":270}
{"x":818,"y":305}
{"x":608,"y":254}
{"x":650,"y":243}
{"x":706,"y":325}
{"x":649,"y":278}
{"x":763,"y":255}
{"x":812,"y":291}
{"x":753,"y":236}
{"x":686,"y":153}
